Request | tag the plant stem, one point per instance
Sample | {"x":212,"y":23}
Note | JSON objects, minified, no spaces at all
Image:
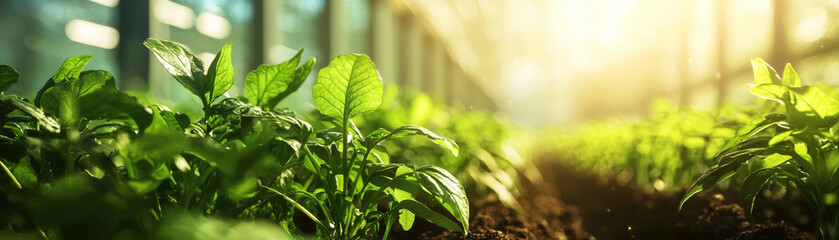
{"x":14,"y":180}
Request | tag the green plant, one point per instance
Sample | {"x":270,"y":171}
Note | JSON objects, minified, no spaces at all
{"x":354,"y":171}
{"x":798,"y":145}
{"x":85,"y":160}
{"x":350,"y":184}
{"x":493,"y":151}
{"x":663,"y":151}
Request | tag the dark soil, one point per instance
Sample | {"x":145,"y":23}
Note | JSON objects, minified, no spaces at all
{"x":575,"y":205}
{"x":613,"y":211}
{"x":544,"y":217}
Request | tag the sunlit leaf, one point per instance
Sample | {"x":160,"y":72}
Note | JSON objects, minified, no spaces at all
{"x":220,"y":74}
{"x":348,"y":87}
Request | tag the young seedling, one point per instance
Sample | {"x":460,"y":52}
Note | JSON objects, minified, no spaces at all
{"x":798,"y":145}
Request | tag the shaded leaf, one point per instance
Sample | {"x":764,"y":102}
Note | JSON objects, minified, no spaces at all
{"x":751,"y":186}
{"x":429,"y":215}
{"x":8,"y":76}
{"x":447,"y":190}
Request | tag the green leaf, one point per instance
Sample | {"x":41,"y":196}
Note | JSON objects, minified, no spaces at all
{"x":791,"y":77}
{"x":812,"y":107}
{"x":429,"y":215}
{"x":406,"y":189}
{"x":771,"y":161}
{"x":60,"y":102}
{"x":184,"y":66}
{"x":727,"y":167}
{"x":410,"y":130}
{"x":84,"y":97}
{"x":71,"y":68}
{"x":780,"y":137}
{"x":770,"y":91}
{"x":8,"y":76}
{"x":764,"y":74}
{"x":220,"y":74}
{"x":751,"y":186}
{"x":25,"y":174}
{"x":299,"y":77}
{"x":165,"y":119}
{"x":264,"y":85}
{"x":45,"y":122}
{"x":49,"y":84}
{"x":120,"y":107}
{"x":447,"y":190}
{"x":349,"y":86}
{"x":406,"y":219}
{"x":753,"y":128}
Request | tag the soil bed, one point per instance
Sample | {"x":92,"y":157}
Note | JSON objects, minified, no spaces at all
{"x":575,"y":205}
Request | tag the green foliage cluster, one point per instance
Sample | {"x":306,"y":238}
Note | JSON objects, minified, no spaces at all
{"x":83,"y":160}
{"x":493,"y":151}
{"x":667,"y":150}
{"x":794,"y":145}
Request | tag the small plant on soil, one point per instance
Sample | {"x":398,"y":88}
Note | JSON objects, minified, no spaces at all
{"x":797,"y":146}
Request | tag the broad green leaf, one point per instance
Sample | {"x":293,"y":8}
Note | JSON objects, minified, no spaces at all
{"x":84,"y":97}
{"x":780,"y":137}
{"x":811,"y":107}
{"x":751,"y":186}
{"x":299,"y":77}
{"x":750,"y":130}
{"x":380,"y":155}
{"x":59,"y":101}
{"x":764,"y":74}
{"x":429,"y":215}
{"x":770,"y":91}
{"x":771,"y":161}
{"x":62,"y":99}
{"x":220,"y":74}
{"x":715,"y":175}
{"x":25,"y":174}
{"x":49,"y":84}
{"x":71,"y":68}
{"x":8,"y":76}
{"x":120,"y":106}
{"x":165,"y":119}
{"x":406,"y":189}
{"x":791,"y":77}
{"x":801,"y":150}
{"x":444,"y":187}
{"x":184,"y":66}
{"x":406,"y":219}
{"x":264,"y":85}
{"x":410,"y":130}
{"x":348,"y":87}
{"x":45,"y":122}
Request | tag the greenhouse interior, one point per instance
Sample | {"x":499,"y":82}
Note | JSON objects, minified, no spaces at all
{"x":419,"y":119}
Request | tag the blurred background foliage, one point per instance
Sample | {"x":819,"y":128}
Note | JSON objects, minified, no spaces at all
{"x":579,"y":60}
{"x":647,"y":91}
